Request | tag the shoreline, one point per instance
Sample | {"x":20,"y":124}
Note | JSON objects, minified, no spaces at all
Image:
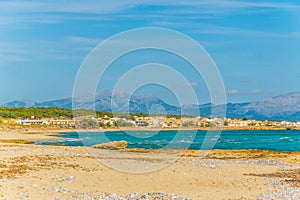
{"x":174,"y":129}
{"x":31,"y":136}
{"x":29,"y":129}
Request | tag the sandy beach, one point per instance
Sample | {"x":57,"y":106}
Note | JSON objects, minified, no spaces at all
{"x":29,"y":171}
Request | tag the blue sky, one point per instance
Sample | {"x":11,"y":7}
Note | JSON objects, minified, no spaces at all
{"x":255,"y":44}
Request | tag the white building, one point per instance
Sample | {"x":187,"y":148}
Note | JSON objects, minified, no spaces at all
{"x":31,"y":120}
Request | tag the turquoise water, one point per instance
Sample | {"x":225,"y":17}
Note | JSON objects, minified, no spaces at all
{"x":266,"y":140}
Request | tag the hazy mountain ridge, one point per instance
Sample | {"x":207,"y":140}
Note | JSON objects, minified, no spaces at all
{"x":279,"y":107}
{"x":283,"y":107}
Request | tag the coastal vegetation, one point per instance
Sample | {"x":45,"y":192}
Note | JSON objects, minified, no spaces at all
{"x":44,"y":112}
{"x":43,"y":117}
{"x":22,"y":112}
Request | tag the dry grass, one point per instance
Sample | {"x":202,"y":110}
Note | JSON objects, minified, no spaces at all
{"x":24,"y":164}
{"x":17,"y":141}
{"x":290,"y":176}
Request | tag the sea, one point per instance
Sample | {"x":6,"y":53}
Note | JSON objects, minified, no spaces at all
{"x":276,"y":140}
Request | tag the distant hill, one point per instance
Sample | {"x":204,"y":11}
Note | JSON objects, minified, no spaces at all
{"x":284,"y":107}
{"x":20,"y":103}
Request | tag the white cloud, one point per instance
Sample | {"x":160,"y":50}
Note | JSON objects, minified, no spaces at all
{"x":242,"y":4}
{"x":232,"y":92}
{"x":65,"y":6}
{"x":104,"y":7}
{"x":71,"y":48}
{"x":251,"y":92}
{"x":209,"y":29}
{"x":296,"y":34}
{"x":23,"y":12}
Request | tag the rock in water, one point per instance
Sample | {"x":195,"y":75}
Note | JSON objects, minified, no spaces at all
{"x":115,"y":145}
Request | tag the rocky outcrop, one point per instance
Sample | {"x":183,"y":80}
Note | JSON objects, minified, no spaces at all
{"x":115,"y":145}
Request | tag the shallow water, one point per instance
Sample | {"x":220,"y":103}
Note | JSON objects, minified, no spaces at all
{"x":255,"y":139}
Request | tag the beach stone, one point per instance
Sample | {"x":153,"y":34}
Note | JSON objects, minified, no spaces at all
{"x":115,"y":145}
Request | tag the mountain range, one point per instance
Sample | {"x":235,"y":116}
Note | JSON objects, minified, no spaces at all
{"x":283,"y":107}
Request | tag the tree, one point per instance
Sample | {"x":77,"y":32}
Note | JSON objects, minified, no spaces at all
{"x":89,"y":123}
